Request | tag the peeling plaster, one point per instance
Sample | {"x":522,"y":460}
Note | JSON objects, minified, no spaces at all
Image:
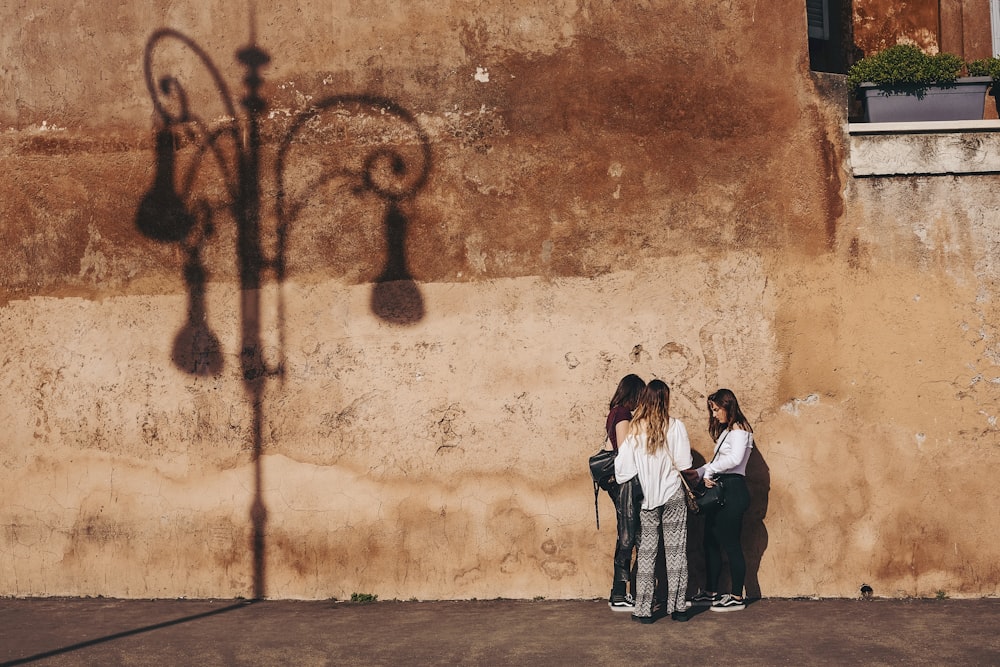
{"x":792,"y":407}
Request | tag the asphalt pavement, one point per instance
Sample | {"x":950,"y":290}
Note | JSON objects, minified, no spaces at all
{"x":164,"y":633}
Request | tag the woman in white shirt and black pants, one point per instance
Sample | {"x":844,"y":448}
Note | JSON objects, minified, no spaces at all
{"x":656,"y":449}
{"x":723,"y":527}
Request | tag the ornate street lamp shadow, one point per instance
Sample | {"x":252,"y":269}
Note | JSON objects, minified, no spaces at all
{"x":172,"y":212}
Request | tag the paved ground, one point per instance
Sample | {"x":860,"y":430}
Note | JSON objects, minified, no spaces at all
{"x":498,"y":632}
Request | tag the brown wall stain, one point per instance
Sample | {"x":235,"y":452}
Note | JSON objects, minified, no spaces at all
{"x":879,"y":24}
{"x":936,"y":26}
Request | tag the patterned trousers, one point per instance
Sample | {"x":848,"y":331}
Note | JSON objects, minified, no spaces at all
{"x":671,"y":519}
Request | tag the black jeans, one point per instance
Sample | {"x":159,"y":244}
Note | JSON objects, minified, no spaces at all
{"x":723,"y":530}
{"x":627,"y":498}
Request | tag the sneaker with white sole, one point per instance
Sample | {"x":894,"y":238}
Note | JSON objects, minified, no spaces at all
{"x":728,"y":603}
{"x":622,"y":603}
{"x":705,"y":599}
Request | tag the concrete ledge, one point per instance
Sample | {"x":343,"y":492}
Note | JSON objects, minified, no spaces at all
{"x":926,"y":148}
{"x":937,"y":126}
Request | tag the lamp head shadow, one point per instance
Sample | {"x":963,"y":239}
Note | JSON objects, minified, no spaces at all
{"x":196,"y":348}
{"x":395,"y":296}
{"x":162,"y":215}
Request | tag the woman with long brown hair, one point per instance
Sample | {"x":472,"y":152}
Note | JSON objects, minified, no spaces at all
{"x":625,"y":495}
{"x":723,"y":527}
{"x":656,"y":449}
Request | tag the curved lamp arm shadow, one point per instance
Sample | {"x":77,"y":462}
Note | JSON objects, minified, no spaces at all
{"x":169,"y":85}
{"x":391,"y":173}
{"x":163,"y":214}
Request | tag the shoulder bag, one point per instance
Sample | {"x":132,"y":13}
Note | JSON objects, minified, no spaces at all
{"x":700,"y":498}
{"x":602,"y":473}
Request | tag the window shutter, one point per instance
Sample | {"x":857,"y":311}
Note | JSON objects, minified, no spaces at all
{"x":818,"y":17}
{"x":995,"y":25}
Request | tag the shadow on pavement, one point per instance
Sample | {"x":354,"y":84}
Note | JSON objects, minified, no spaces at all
{"x":121,"y":635}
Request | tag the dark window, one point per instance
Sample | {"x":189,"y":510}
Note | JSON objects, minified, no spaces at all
{"x":818,"y":17}
{"x":831,"y":39}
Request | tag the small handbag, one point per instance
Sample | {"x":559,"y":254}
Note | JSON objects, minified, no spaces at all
{"x":706,"y":499}
{"x":689,"y":497}
{"x":700,"y":498}
{"x":602,"y":472}
{"x":713,"y":498}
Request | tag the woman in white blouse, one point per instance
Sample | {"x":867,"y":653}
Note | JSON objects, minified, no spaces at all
{"x":723,"y":527}
{"x":655,"y":450}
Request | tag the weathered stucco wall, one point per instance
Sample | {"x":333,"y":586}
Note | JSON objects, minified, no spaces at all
{"x":878,"y":24}
{"x":961,"y":27}
{"x":612,"y":189}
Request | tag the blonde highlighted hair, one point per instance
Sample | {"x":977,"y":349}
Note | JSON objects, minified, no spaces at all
{"x":652,"y":415}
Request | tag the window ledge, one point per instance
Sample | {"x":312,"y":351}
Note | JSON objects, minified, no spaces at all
{"x":925,"y":148}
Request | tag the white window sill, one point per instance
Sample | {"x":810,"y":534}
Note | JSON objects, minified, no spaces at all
{"x":925,"y":148}
{"x":926,"y":126}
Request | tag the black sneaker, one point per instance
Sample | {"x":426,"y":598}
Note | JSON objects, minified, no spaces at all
{"x":681,"y":616}
{"x":644,"y":619}
{"x":728,"y":603}
{"x":622,"y":603}
{"x":705,"y":599}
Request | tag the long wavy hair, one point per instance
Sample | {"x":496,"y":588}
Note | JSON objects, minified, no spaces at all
{"x":726,"y":399}
{"x":628,"y":391}
{"x":652,"y":415}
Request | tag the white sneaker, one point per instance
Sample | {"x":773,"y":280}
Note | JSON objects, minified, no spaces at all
{"x":622,"y":603}
{"x":728,"y":603}
{"x":705,"y":599}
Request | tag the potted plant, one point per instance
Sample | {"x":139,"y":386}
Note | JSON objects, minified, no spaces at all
{"x":985,"y":67}
{"x":902,"y":83}
{"x":988,"y":67}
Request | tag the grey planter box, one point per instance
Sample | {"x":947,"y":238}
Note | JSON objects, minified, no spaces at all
{"x":962,"y":100}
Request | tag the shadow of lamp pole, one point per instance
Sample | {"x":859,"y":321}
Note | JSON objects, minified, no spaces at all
{"x":171,"y":212}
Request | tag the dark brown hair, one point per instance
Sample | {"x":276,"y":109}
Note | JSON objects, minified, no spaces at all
{"x":628,"y":392}
{"x":726,"y":399}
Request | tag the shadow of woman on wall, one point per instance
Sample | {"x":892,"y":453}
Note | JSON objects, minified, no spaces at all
{"x":695,"y":540}
{"x":754,"y":531}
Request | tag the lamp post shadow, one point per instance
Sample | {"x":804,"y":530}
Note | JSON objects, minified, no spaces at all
{"x":174,"y":211}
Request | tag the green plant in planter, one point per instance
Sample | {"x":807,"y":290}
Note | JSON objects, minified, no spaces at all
{"x":986,"y":67}
{"x":905,"y":65}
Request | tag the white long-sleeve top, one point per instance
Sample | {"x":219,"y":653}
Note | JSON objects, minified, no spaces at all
{"x":732,"y":451}
{"x":658,"y":477}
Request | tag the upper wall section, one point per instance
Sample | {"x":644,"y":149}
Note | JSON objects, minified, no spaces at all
{"x":949,"y":26}
{"x":566,"y":140}
{"x":79,"y":64}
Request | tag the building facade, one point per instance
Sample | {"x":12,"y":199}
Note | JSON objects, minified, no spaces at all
{"x":354,"y":327}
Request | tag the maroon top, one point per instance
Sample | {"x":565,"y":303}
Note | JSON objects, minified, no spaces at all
{"x":619,"y":413}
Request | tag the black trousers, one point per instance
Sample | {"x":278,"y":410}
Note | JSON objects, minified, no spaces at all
{"x":723,"y":531}
{"x":627,"y":498}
